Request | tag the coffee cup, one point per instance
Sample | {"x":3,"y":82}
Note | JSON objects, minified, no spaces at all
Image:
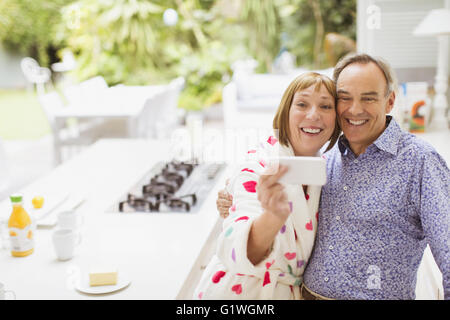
{"x":65,"y":241}
{"x":4,"y":292}
{"x":70,"y":220}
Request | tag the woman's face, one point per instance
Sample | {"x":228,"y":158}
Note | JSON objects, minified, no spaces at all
{"x":312,"y":119}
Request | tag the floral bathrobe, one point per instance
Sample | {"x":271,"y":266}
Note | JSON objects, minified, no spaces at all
{"x":230,"y":275}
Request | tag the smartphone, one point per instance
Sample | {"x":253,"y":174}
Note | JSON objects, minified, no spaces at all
{"x":303,"y":170}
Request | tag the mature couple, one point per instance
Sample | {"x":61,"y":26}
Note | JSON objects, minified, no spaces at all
{"x":363,"y":234}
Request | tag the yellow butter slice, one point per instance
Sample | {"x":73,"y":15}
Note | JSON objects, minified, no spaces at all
{"x":103,"y":277}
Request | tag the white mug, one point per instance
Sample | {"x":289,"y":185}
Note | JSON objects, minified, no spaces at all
{"x":69,"y":220}
{"x":3,"y":292}
{"x":65,"y":241}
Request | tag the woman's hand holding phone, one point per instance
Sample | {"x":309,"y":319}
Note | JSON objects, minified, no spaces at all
{"x":271,"y":193}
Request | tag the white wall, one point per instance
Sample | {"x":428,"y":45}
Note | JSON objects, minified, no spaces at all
{"x":384,"y":28}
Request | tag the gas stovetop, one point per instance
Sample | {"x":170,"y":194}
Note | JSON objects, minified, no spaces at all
{"x":170,"y":187}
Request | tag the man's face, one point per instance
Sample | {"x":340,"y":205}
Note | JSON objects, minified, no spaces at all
{"x":362,"y":104}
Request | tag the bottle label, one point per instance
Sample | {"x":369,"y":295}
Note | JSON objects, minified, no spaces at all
{"x":21,"y":239}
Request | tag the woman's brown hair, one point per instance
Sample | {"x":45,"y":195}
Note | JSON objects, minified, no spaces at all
{"x":281,"y":119}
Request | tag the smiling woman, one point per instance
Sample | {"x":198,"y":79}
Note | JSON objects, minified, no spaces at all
{"x":270,"y":231}
{"x":311,"y":116}
{"x":297,"y":102}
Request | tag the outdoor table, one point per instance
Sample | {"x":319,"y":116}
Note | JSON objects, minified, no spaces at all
{"x":118,"y":102}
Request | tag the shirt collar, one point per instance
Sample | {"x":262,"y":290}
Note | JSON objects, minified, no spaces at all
{"x":387,"y":141}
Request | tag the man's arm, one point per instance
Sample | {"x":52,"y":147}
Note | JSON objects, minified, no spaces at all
{"x":435,"y":213}
{"x":224,"y":202}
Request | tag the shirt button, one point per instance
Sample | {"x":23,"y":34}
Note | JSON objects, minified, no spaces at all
{"x":338,"y":218}
{"x":345,"y":188}
{"x":330,"y":247}
{"x":326,"y":279}
{"x":356,"y":161}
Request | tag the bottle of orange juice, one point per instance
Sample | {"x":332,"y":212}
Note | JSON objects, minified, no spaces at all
{"x":20,"y":229}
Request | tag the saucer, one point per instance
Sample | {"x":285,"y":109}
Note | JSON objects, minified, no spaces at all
{"x":83,"y":286}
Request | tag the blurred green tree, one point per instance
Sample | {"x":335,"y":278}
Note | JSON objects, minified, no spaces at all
{"x":27,"y":27}
{"x":308,"y":18}
{"x":263,"y":23}
{"x":127,"y":41}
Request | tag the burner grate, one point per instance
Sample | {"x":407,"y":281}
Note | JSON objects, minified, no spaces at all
{"x":171,"y":187}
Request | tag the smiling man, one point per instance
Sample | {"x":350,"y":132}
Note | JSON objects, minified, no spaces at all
{"x":362,"y":108}
{"x":387,"y":197}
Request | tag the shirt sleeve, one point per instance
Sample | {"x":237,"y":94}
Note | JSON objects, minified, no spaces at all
{"x":435,"y":213}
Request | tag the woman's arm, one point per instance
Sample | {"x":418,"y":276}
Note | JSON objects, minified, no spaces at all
{"x":265,"y":227}
{"x":262,"y":234}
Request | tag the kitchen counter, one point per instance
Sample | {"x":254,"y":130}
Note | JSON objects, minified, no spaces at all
{"x":157,"y":251}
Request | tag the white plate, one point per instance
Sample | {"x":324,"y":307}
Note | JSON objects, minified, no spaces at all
{"x":83,"y":285}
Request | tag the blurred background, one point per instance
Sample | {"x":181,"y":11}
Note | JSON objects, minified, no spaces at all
{"x":144,"y":42}
{"x":254,"y":47}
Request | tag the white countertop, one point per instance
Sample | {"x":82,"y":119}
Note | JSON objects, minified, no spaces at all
{"x":157,"y":251}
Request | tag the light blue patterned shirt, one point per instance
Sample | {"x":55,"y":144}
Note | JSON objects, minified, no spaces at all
{"x":377,"y":213}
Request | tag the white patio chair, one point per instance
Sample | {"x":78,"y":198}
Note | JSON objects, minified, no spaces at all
{"x":67,"y":63}
{"x":91,"y":92}
{"x":160,"y":116}
{"x":36,"y":74}
{"x":86,"y":91}
{"x":94,"y":84}
{"x":61,"y":70}
{"x":71,"y":139}
{"x":73,"y":94}
{"x":169,"y":119}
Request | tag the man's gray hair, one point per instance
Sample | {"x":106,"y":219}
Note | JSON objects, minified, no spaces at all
{"x":363,"y":58}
